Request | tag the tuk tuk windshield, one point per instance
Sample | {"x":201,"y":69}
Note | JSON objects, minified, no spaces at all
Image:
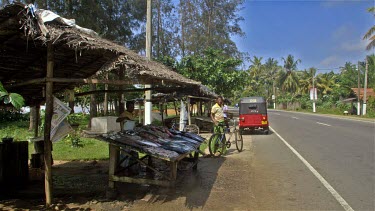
{"x":253,"y":108}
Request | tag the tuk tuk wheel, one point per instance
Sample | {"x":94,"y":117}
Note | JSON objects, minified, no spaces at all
{"x":267,"y":131}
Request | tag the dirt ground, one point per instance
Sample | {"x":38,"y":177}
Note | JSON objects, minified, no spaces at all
{"x":220,"y":183}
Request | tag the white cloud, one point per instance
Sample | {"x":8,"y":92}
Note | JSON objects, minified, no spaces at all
{"x":329,"y":61}
{"x":353,"y":46}
{"x":342,"y":32}
{"x":336,"y":3}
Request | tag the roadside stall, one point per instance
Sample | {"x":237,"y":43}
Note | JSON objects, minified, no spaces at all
{"x":41,"y":57}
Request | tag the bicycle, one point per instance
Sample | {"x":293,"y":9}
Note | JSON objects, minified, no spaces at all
{"x":218,"y":143}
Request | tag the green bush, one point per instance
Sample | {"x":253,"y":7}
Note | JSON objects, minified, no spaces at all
{"x":12,"y":116}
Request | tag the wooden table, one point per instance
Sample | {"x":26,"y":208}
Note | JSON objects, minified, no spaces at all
{"x":169,"y":179}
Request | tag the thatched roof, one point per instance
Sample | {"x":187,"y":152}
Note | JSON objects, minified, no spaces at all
{"x":78,"y":55}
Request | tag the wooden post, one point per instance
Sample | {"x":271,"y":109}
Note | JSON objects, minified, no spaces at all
{"x":71,"y":100}
{"x":364,"y":106}
{"x":36,"y":128}
{"x":120,"y":94}
{"x":47,"y":128}
{"x":359,"y":93}
{"x":188,"y":110}
{"x":175,"y":107}
{"x":106,"y":97}
{"x":114,"y":154}
{"x":196,"y":157}
{"x":173,"y":173}
{"x":93,"y":107}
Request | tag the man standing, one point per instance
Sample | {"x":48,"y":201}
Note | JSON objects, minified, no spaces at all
{"x":217,"y":116}
{"x":217,"y":113}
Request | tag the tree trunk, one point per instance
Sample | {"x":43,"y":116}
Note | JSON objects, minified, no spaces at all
{"x":158,"y":5}
{"x":182,"y":21}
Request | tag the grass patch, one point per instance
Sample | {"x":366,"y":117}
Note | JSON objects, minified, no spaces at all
{"x":18,"y":130}
{"x":92,"y":150}
{"x":62,"y":150}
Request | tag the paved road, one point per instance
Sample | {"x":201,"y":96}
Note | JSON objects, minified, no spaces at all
{"x":340,"y":150}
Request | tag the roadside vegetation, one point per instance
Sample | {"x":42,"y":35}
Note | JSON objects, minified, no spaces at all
{"x":72,"y":147}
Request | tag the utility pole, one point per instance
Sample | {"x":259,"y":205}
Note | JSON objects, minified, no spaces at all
{"x":274,"y":94}
{"x":313,"y":83}
{"x":148,"y":104}
{"x":358,"y":93}
{"x":365,"y":90}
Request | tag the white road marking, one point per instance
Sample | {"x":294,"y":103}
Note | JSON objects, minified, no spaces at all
{"x":276,"y":114}
{"x":295,"y":117}
{"x":334,"y":193}
{"x":332,"y":116}
{"x":323,"y":124}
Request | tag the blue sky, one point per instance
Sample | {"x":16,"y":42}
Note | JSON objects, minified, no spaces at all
{"x":323,"y":34}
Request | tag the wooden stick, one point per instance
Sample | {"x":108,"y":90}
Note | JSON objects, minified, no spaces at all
{"x":47,"y":128}
{"x":114,"y":153}
{"x":37,"y":113}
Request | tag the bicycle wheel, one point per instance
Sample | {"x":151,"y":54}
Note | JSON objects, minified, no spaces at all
{"x":216,"y":144}
{"x":239,"y":140}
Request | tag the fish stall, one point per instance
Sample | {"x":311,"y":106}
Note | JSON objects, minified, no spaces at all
{"x":154,"y":142}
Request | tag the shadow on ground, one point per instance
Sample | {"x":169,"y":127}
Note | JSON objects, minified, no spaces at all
{"x":82,"y":185}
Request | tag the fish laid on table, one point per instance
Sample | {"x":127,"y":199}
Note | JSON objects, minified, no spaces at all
{"x":178,"y":147}
{"x":179,"y":137}
{"x":148,"y":143}
{"x":161,"y":152}
{"x":194,"y":136}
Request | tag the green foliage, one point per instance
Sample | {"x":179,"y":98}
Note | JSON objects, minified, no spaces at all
{"x":12,"y":116}
{"x":74,"y":139}
{"x":371,"y":32}
{"x":16,"y":129}
{"x":79,"y":118}
{"x":215,"y":70}
{"x":207,"y":24}
{"x":13,"y":98}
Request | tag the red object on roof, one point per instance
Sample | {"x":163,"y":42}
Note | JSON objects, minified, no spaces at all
{"x":369,"y":92}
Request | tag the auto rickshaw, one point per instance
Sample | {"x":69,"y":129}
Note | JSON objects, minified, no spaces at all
{"x":253,"y":114}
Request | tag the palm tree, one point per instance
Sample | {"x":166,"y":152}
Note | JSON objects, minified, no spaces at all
{"x":288,"y":79}
{"x":271,"y":72}
{"x":305,"y":82}
{"x":256,"y":73}
{"x":326,"y":82}
{"x":370,"y":34}
{"x":255,"y":68}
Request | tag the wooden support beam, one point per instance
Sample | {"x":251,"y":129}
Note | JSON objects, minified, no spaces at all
{"x":37,"y":119}
{"x":120,"y":95}
{"x":114,"y":154}
{"x":188,"y":110}
{"x":25,"y":83}
{"x":203,"y":98}
{"x":47,"y":128}
{"x":141,"y":181}
{"x":196,"y":157}
{"x":105,"y":109}
{"x":90,"y":81}
{"x":173,"y":173}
